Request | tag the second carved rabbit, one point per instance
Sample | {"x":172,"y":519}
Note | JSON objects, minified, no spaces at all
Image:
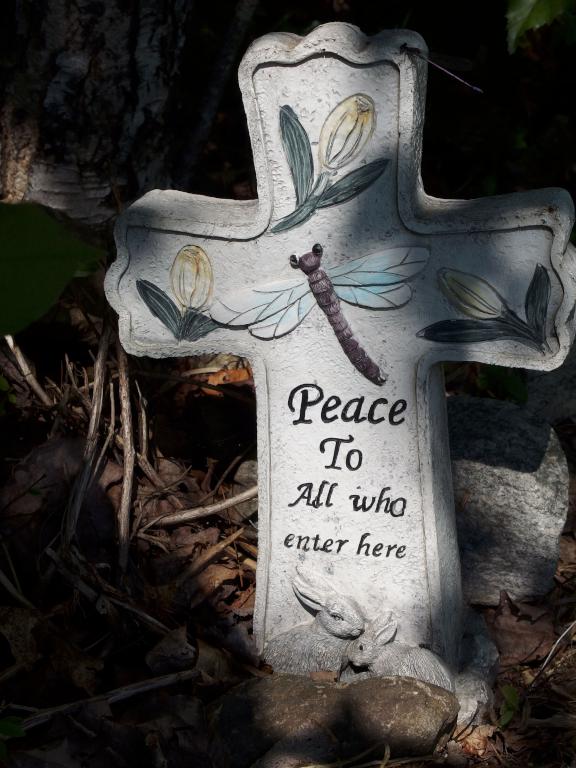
{"x":375,"y":652}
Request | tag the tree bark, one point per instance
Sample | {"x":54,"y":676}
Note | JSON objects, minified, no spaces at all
{"x":90,"y":102}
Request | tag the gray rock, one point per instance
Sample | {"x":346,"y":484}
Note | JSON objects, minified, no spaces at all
{"x":474,"y":696}
{"x":511,"y":491}
{"x":552,"y":394}
{"x":286,"y":721}
{"x":245,"y":477}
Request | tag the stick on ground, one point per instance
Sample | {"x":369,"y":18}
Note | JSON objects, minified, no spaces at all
{"x":129,"y":459}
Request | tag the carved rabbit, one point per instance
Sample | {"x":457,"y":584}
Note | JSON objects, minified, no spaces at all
{"x":374,"y":651}
{"x":320,"y":645}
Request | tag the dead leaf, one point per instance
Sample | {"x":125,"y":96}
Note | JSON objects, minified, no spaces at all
{"x":17,"y":625}
{"x":43,"y":479}
{"x":208,"y":584}
{"x":475,"y":743}
{"x":215,"y":663}
{"x":66,"y":659}
{"x":243,"y":606}
{"x":522,"y":632}
{"x":233,"y":376}
{"x":185,"y":540}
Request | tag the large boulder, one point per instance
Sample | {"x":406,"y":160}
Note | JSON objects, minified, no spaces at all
{"x":287,"y":721}
{"x":511,"y":492}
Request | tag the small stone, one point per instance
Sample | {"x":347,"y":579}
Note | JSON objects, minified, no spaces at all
{"x":173,"y":653}
{"x":287,"y":721}
{"x":511,"y":489}
{"x":246,"y":476}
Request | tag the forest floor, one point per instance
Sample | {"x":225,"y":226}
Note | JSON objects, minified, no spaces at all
{"x":129,"y":540}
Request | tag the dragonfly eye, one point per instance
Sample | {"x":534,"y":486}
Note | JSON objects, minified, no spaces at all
{"x":317,"y":249}
{"x":294,"y":261}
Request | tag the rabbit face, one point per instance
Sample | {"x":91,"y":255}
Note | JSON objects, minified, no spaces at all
{"x":341,"y":619}
{"x":336,"y":614}
{"x":367,"y":648}
{"x":363,"y":651}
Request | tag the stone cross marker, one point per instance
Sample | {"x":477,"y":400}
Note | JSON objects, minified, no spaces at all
{"x":345,"y":285}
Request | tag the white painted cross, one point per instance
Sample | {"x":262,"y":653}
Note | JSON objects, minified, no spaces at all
{"x":354,"y":472}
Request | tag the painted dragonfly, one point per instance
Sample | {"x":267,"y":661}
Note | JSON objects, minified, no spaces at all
{"x":377,"y":281}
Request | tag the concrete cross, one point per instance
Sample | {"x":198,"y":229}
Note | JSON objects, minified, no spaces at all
{"x":345,"y":285}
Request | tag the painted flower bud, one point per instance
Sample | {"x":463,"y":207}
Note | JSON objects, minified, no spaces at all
{"x":346,"y":130}
{"x":471,"y":295}
{"x":191,"y":277}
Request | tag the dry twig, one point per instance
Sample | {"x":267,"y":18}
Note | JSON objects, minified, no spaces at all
{"x":129,"y":459}
{"x":85,"y":476}
{"x":29,"y":377}
{"x":187,"y":515}
{"x":112,"y":697}
{"x":201,"y":562}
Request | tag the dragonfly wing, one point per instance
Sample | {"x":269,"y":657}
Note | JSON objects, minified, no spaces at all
{"x":252,"y":306}
{"x":391,"y":297}
{"x":284,"y":321}
{"x":384,"y":268}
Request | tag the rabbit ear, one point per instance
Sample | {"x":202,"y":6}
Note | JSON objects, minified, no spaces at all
{"x":313,"y":589}
{"x":385,"y":627}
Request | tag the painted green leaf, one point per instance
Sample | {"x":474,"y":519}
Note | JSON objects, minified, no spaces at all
{"x":38,"y":257}
{"x":352,"y":184}
{"x":160,"y":305}
{"x":474,"y":331}
{"x":298,"y":152}
{"x":536,"y":303}
{"x":194,"y":325}
{"x":298,"y":216}
{"x":524,"y":15}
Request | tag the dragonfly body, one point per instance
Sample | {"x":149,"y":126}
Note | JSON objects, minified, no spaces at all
{"x":326,"y":298}
{"x":375,"y":281}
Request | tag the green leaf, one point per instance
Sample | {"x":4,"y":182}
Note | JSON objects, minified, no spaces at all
{"x":524,"y":15}
{"x":298,"y":152}
{"x":4,"y":385}
{"x":11,"y":727}
{"x":352,"y":184}
{"x":474,"y":331}
{"x":511,"y":696}
{"x":510,"y":706}
{"x":536,"y":303}
{"x":194,"y":325}
{"x":160,"y":305}
{"x":299,"y":216}
{"x":38,"y":257}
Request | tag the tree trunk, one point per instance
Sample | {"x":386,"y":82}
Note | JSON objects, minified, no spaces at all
{"x":92,"y":106}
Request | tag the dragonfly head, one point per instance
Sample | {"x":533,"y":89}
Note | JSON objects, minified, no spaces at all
{"x":310,"y":261}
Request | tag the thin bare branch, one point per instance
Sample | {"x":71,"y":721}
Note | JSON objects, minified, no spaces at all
{"x":112,"y":697}
{"x":129,"y":458}
{"x":85,"y":476}
{"x":14,"y":592}
{"x":187,"y":515}
{"x":100,"y":599}
{"x":199,"y":563}
{"x":26,"y":371}
{"x":142,"y":423}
